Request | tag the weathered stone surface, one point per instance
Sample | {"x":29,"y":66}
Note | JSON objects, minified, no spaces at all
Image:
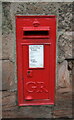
{"x":10,"y":107}
{"x":1,"y":48}
{"x":18,"y":8}
{"x":41,"y":8}
{"x":0,"y":74}
{"x":6,"y":18}
{"x":62,"y":108}
{"x":73,"y":45}
{"x":0,"y":30}
{"x":65,"y":90}
{"x":7,"y":31}
{"x":70,"y":68}
{"x":73,"y":78}
{"x":7,"y":75}
{"x":8,"y":47}
{"x":0,"y":104}
{"x":63,"y":75}
{"x":64,"y":45}
{"x":70,"y":65}
{"x":65,"y":16}
{"x":32,"y":8}
{"x":5,"y":47}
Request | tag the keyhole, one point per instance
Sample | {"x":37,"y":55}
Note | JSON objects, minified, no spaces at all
{"x":28,"y":72}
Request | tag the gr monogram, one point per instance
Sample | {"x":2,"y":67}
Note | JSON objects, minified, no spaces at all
{"x":37,"y":87}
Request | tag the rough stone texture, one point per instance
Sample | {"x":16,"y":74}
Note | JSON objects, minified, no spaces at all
{"x":73,"y":44}
{"x":5,"y":47}
{"x":0,"y":31}
{"x":0,"y":104}
{"x":64,"y":46}
{"x":6,"y":19}
{"x":0,"y":49}
{"x":11,"y":110}
{"x":41,"y":8}
{"x":65,"y":16}
{"x":62,"y":108}
{"x":73,"y":78}
{"x":63,"y":75}
{"x":65,"y":20}
{"x":7,"y":75}
{"x":7,"y":38}
{"x":0,"y":75}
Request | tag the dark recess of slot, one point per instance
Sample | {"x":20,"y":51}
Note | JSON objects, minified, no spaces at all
{"x":28,"y":33}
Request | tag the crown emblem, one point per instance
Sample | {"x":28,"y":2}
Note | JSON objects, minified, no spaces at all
{"x":36,"y":23}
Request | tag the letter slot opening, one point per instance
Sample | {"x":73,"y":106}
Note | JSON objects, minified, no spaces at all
{"x":28,"y":33}
{"x":35,"y":34}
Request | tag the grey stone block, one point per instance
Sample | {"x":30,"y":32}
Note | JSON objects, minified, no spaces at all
{"x":0,"y":74}
{"x":46,"y":8}
{"x":63,"y":75}
{"x":65,"y":16}
{"x":8,"y":47}
{"x":64,"y":45}
{"x":8,"y":75}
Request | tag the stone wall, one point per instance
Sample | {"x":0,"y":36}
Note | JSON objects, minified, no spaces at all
{"x":63,"y":11}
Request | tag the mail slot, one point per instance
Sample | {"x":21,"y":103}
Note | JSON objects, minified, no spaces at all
{"x":36,"y":59}
{"x":36,"y":32}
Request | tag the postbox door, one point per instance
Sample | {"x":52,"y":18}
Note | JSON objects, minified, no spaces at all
{"x":36,"y":72}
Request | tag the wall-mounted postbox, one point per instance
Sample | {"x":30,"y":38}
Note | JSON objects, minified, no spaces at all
{"x":36,"y":59}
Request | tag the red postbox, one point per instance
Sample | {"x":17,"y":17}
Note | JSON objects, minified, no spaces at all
{"x":36,"y":59}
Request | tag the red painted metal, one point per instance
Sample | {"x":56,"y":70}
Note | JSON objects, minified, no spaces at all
{"x":36,"y":86}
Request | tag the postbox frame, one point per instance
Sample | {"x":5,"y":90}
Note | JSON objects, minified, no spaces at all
{"x":20,"y":66}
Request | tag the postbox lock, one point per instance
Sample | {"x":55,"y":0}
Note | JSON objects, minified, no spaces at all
{"x":29,"y":73}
